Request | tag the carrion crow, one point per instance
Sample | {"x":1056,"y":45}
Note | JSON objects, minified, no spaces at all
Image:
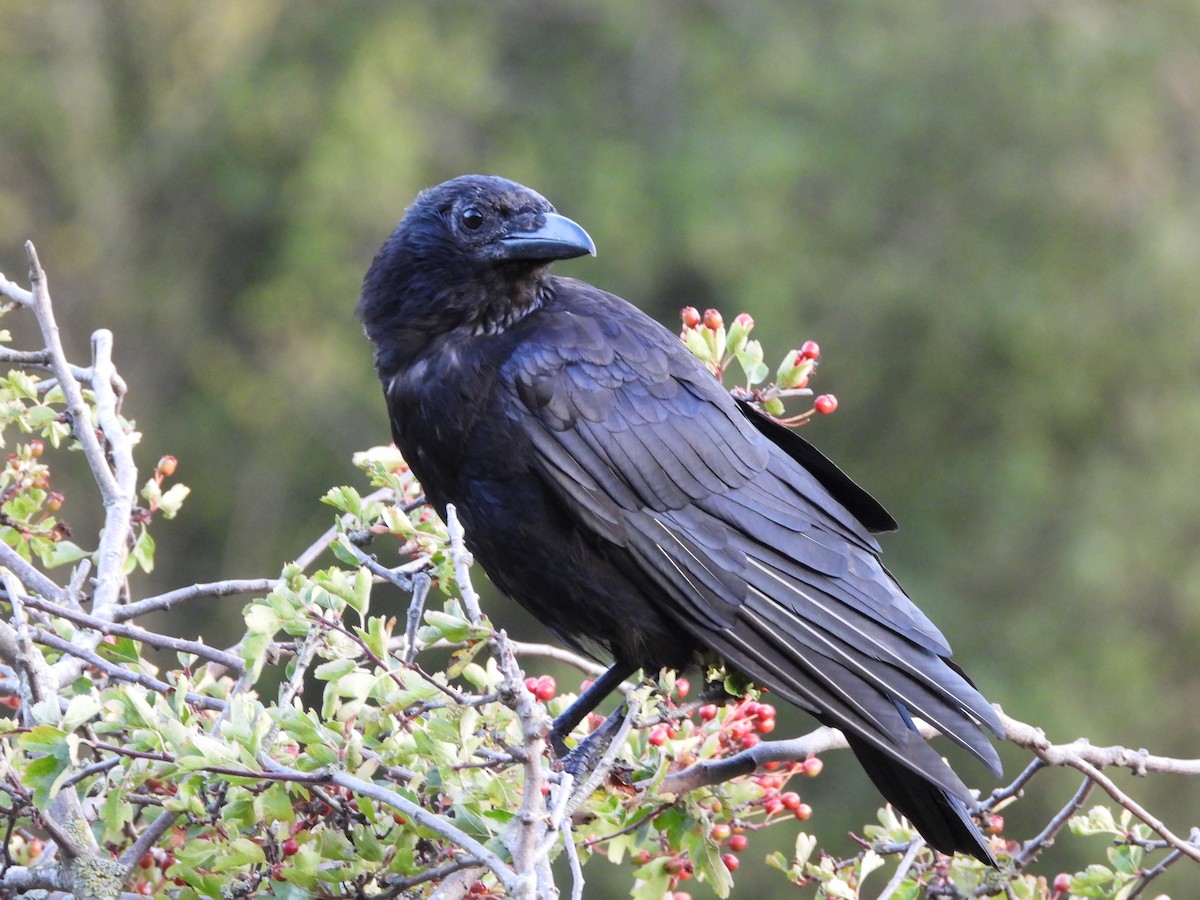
{"x":611,"y":485}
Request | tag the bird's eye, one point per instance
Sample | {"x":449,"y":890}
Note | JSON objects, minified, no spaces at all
{"x":472,"y":219}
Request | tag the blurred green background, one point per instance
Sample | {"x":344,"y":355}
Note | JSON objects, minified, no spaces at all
{"x":987,"y":213}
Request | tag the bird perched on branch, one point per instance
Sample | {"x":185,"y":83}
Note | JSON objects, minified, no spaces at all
{"x":608,"y":483}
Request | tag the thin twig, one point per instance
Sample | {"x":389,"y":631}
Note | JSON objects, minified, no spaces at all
{"x":120,"y":673}
{"x":461,"y":557}
{"x":1031,"y":848}
{"x":165,"y":601}
{"x":897,"y":880}
{"x":423,"y":817}
{"x":154,"y":639}
{"x":416,"y":609}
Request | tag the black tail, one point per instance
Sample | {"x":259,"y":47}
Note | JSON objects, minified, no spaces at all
{"x":939,"y":816}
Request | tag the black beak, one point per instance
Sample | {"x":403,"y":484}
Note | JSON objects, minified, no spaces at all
{"x":556,"y":238}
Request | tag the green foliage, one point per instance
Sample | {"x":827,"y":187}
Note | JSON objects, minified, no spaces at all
{"x":986,"y":215}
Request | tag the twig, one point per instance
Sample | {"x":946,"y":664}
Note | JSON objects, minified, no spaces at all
{"x":77,"y":408}
{"x":897,"y":880}
{"x":1089,"y":759}
{"x":122,"y":674}
{"x":461,"y":557}
{"x":572,"y":860}
{"x":1016,"y":787}
{"x":119,"y":489}
{"x":154,"y":639}
{"x":321,"y":544}
{"x":559,"y":654}
{"x":1031,"y":848}
{"x":194,"y":592}
{"x":416,"y":609}
{"x":528,"y":825}
{"x":707,"y":772}
{"x":32,"y":577}
{"x":438,"y":824}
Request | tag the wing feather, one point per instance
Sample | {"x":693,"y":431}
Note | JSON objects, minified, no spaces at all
{"x":745,"y":533}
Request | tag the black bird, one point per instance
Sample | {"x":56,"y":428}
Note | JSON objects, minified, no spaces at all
{"x":609,"y":484}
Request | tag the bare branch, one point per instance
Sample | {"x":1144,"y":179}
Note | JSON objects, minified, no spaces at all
{"x":194,"y":592}
{"x":154,"y":639}
{"x":15,"y":292}
{"x":120,"y":673}
{"x":462,"y":564}
{"x":416,"y":608}
{"x":1031,"y":848}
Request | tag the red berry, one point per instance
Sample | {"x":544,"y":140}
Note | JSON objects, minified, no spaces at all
{"x":738,"y":843}
{"x":1062,"y":882}
{"x":11,"y":702}
{"x":790,"y":800}
{"x":147,"y":860}
{"x":766,"y":726}
{"x":290,"y":847}
{"x":731,"y":861}
{"x":766,"y":711}
{"x":993,"y":824}
{"x":36,"y":448}
{"x":773,"y":806}
{"x":825,"y":404}
{"x":812,"y":766}
{"x":642,"y":857}
{"x":750,"y":740}
{"x":166,"y":466}
{"x":707,"y":713}
{"x":531,"y":684}
{"x":712,"y":319}
{"x":690,"y":316}
{"x":658,"y":736}
{"x":749,"y":709}
{"x":35,"y":847}
{"x":546,"y":688}
{"x":682,"y":686}
{"x":676,"y":865}
{"x":720,"y":832}
{"x":810,"y":350}
{"x":681,"y":895}
{"x":145,"y":888}
{"x":803,"y":811}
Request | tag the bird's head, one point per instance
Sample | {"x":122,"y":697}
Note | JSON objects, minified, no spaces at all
{"x":470,"y":253}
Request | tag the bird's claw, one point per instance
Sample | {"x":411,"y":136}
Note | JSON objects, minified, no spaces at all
{"x":587,"y":754}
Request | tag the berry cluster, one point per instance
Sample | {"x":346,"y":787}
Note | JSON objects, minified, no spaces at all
{"x":542,"y":687}
{"x":706,"y":336}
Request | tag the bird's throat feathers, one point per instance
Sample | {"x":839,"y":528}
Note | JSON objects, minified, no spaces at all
{"x":410,"y":303}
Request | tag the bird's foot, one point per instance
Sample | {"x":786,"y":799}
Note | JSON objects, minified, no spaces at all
{"x":583,"y":760}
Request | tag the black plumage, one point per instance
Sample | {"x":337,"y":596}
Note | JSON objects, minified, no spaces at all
{"x":609,"y":484}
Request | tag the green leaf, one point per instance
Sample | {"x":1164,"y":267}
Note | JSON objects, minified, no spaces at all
{"x":80,"y":709}
{"x":653,"y":880}
{"x":334,"y":669}
{"x":142,"y":554}
{"x":172,"y":499}
{"x":63,"y":553}
{"x":122,"y":650}
{"x":710,"y":868}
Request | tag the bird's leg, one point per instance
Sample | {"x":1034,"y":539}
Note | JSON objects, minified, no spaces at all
{"x":566,"y":721}
{"x":581,"y":761}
